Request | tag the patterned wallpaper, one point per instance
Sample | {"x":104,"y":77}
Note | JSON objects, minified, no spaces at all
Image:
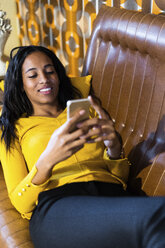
{"x":65,"y":25}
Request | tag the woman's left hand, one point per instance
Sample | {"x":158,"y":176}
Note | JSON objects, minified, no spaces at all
{"x":102,"y":129}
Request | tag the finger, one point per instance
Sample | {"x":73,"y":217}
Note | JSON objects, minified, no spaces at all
{"x":94,"y":132}
{"x":95,"y":127}
{"x":77,"y":144}
{"x":107,"y":129}
{"x":95,"y":122}
{"x":99,"y":134}
{"x":75,"y":135}
{"x":71,"y":123}
{"x":99,"y":139}
{"x":102,"y":114}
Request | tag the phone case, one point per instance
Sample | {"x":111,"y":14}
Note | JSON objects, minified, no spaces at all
{"x":74,"y":106}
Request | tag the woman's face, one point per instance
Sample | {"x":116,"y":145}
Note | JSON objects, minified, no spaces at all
{"x":40,"y":81}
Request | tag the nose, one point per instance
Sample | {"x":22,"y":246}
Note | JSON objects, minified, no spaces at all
{"x":43,"y":78}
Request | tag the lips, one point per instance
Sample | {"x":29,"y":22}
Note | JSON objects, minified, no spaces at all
{"x":45,"y":90}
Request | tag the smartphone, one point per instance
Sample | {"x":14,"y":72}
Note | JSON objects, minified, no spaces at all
{"x":74,"y":106}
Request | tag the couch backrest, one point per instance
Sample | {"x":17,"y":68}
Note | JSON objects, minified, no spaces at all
{"x":126,"y":57}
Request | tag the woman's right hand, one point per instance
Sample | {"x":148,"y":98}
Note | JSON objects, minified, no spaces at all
{"x":63,"y":143}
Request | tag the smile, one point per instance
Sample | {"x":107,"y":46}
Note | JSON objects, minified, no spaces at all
{"x":45,"y":90}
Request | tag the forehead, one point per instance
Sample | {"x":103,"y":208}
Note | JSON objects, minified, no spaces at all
{"x":35,"y":60}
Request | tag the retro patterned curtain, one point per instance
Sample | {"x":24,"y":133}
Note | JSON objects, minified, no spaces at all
{"x":65,"y":25}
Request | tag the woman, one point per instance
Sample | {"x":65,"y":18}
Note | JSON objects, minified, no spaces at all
{"x":68,"y":182}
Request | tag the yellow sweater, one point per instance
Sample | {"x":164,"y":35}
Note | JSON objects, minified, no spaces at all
{"x":34,"y":132}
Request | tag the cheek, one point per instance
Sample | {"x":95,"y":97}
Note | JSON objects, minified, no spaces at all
{"x":56,"y":83}
{"x":28,"y":89}
{"x":28,"y":85}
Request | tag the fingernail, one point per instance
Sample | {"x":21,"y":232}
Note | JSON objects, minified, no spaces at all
{"x":79,"y":125}
{"x":82,"y":112}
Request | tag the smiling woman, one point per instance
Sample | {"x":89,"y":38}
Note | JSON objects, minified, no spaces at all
{"x":14,"y":83}
{"x":41,"y":83}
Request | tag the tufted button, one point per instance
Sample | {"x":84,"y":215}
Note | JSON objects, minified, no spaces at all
{"x":113,"y":120}
{"x":132,"y":130}
{"x":19,"y":193}
{"x":123,"y":125}
{"x":141,"y":135}
{"x":23,"y":189}
{"x":27,"y":185}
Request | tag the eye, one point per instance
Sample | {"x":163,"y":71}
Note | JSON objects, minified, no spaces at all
{"x":32,"y":76}
{"x":50,"y":72}
{"x":49,"y":69}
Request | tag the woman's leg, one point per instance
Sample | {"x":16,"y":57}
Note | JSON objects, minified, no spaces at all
{"x":100,"y":222}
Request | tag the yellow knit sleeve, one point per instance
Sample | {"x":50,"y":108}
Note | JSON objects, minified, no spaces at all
{"x":22,"y":192}
{"x":119,"y":168}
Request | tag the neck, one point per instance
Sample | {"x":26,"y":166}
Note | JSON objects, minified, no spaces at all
{"x":48,"y":111}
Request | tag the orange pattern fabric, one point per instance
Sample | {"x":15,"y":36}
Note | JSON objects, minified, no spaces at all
{"x":65,"y":26}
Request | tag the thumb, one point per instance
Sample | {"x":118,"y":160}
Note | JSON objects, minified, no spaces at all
{"x":96,"y":105}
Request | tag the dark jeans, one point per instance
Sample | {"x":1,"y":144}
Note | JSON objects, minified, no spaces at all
{"x":85,"y":215}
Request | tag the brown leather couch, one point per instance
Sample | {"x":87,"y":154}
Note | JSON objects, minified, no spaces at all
{"x":126,"y":57}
